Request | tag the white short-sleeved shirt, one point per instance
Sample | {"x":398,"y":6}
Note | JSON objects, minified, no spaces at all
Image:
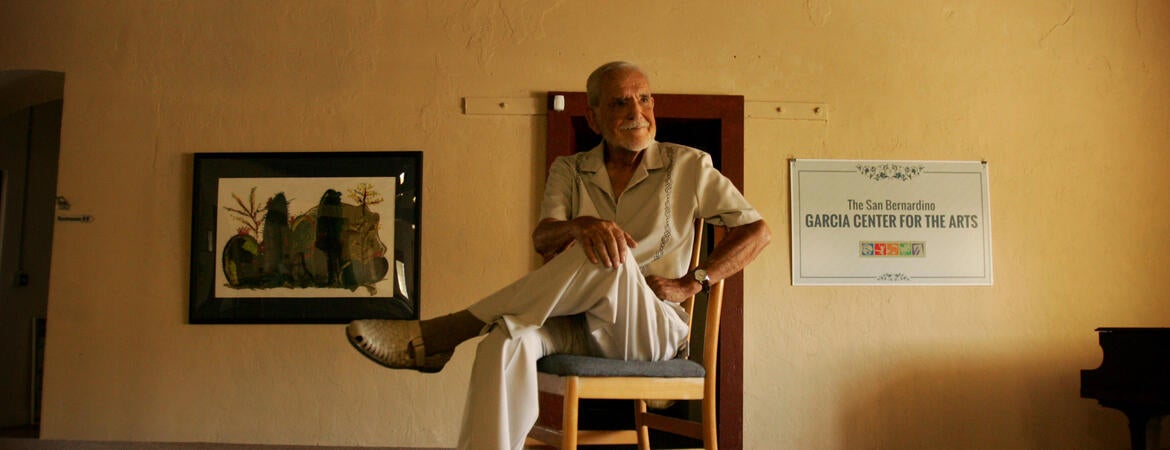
{"x":672,"y":186}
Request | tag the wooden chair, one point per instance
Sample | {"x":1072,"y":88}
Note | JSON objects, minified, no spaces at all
{"x":583,"y":377}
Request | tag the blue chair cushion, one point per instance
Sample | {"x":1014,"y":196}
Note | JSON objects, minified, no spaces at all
{"x":592,"y":366}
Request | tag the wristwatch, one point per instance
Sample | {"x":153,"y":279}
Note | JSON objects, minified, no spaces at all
{"x":700,"y":275}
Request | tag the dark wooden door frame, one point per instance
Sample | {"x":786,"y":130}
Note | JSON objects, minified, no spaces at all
{"x":729,"y":111}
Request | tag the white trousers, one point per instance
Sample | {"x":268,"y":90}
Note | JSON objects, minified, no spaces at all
{"x":528,"y":320}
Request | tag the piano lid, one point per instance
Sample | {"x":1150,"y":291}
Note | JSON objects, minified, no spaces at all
{"x":1135,"y":367}
{"x":1137,"y":330}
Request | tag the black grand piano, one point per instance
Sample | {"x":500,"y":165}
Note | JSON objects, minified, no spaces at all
{"x":1134,"y":377}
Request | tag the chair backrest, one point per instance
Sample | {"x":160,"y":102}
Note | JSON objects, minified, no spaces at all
{"x":696,"y":255}
{"x":710,"y":359}
{"x":714,"y":309}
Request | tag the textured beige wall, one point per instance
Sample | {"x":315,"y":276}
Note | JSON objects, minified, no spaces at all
{"x":1067,"y":100}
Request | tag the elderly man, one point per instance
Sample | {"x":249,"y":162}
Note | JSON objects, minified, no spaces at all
{"x":615,"y":231}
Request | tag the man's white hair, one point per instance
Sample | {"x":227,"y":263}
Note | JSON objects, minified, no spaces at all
{"x":593,"y":84}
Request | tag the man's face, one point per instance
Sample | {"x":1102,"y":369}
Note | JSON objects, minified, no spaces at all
{"x":625,"y":114}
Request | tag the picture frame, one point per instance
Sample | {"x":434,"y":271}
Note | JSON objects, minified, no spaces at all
{"x":305,"y":237}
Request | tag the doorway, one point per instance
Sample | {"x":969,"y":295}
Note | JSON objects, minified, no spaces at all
{"x":713,"y":123}
{"x":30,"y":129}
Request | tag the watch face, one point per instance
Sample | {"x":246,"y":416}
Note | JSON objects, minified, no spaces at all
{"x":700,"y":275}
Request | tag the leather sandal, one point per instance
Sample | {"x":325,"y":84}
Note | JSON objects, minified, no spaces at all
{"x":396,"y":344}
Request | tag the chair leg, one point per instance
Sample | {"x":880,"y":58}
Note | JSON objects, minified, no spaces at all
{"x":710,"y":424}
{"x":640,"y":423}
{"x":570,"y":412}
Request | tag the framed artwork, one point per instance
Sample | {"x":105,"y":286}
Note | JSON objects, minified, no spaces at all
{"x":316,"y":237}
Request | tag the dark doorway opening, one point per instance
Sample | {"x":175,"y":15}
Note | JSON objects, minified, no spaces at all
{"x":30,"y":128}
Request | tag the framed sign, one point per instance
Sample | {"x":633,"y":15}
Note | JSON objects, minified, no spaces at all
{"x":890,"y":223}
{"x":324,"y":237}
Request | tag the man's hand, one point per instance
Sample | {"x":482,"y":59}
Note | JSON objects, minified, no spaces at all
{"x":674,"y":290}
{"x":739,"y":246}
{"x":604,"y":242}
